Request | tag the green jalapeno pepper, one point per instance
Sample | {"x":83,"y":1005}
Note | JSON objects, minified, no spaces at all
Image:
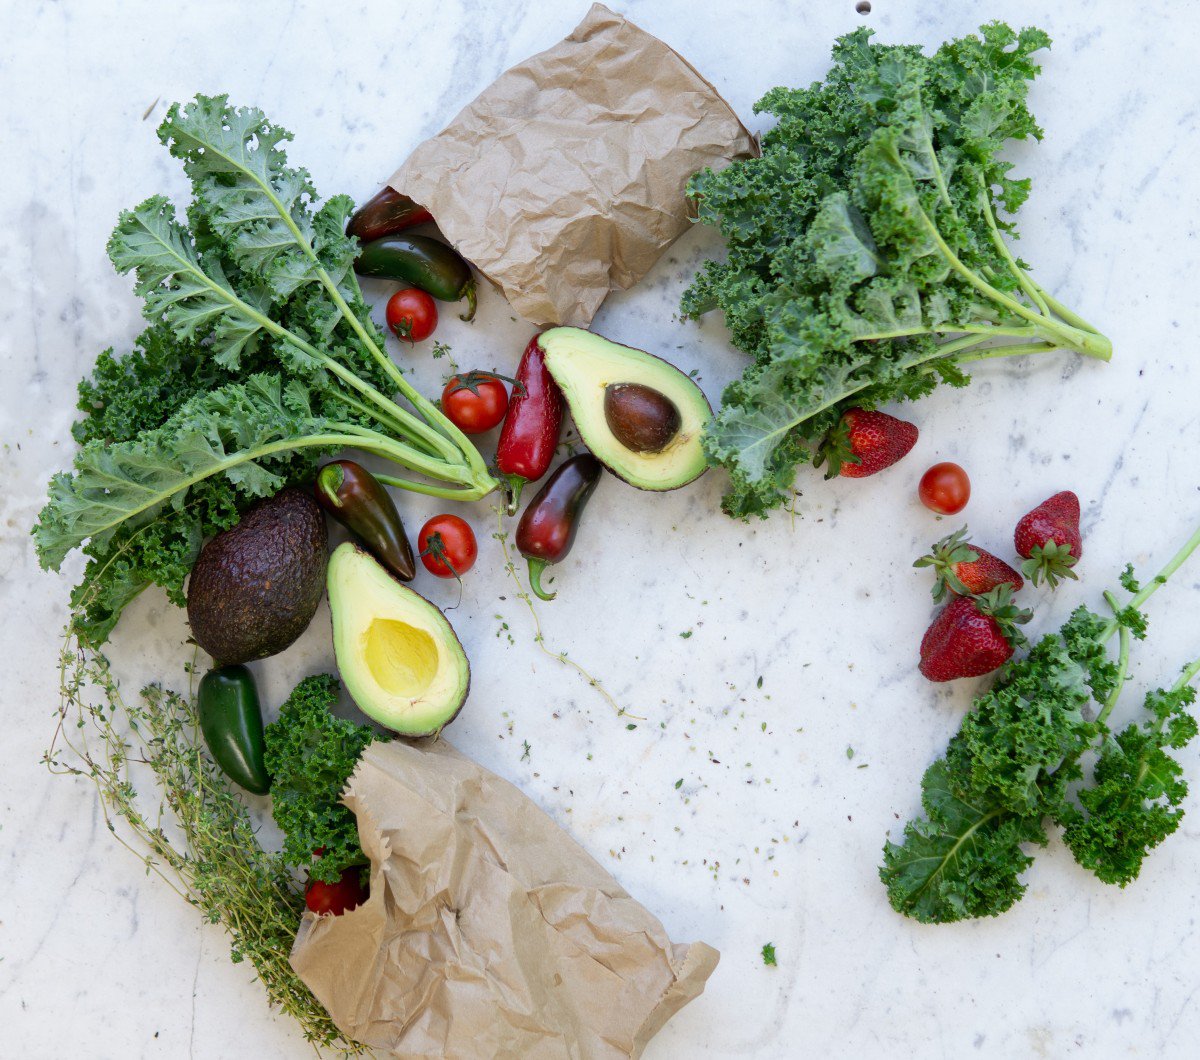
{"x":231,"y":721}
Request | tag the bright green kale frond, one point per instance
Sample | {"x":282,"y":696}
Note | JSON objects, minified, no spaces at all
{"x":866,"y":260}
{"x":184,"y":432}
{"x":1134,"y":801}
{"x":310,"y":755}
{"x":961,"y":860}
{"x":228,"y":430}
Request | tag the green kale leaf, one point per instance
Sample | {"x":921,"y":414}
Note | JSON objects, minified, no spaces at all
{"x":1017,"y":762}
{"x":310,"y":755}
{"x":962,"y":860}
{"x":260,"y":357}
{"x":1134,"y":801}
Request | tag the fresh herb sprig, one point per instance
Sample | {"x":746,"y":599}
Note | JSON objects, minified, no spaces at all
{"x":867,"y":259}
{"x":1016,"y":764}
{"x":194,"y":832}
{"x":259,"y":358}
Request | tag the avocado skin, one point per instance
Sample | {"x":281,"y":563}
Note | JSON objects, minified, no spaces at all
{"x":255,"y":587}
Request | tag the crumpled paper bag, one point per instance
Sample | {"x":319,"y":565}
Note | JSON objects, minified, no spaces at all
{"x":489,"y":933}
{"x":565,"y":179}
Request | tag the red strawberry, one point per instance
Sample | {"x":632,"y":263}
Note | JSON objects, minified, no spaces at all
{"x":972,"y":636}
{"x":864,"y":443}
{"x":966,"y":569}
{"x":1048,"y":537}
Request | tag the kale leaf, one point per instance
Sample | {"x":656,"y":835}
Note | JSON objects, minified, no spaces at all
{"x":866,"y":260}
{"x":310,"y":755}
{"x":1134,"y":801}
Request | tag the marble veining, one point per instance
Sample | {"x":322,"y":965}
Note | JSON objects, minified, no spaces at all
{"x":759,"y":656}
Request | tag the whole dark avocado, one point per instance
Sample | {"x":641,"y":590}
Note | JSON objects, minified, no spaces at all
{"x":255,"y":587}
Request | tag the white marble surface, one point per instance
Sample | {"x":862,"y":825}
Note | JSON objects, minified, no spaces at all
{"x":775,"y":834}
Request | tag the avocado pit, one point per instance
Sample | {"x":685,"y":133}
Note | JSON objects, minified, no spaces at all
{"x":641,"y":418}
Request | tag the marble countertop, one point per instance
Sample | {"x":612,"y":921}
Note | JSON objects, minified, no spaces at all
{"x":761,"y":656}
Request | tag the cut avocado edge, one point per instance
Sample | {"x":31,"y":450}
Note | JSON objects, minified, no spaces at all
{"x":584,"y":364}
{"x":399,"y":657}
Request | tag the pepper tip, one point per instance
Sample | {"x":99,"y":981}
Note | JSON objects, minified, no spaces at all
{"x":536,"y":566}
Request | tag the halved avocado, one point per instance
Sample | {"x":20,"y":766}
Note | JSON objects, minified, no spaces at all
{"x":399,"y":658}
{"x":586,"y":365}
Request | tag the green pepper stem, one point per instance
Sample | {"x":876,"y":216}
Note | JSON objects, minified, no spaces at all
{"x":469,"y":294}
{"x":536,"y":566}
{"x":513,"y":484}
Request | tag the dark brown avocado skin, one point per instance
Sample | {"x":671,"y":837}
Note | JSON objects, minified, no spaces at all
{"x":255,"y":587}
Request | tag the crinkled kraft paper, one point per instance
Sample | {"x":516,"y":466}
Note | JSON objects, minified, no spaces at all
{"x":565,"y":179}
{"x":489,"y":933}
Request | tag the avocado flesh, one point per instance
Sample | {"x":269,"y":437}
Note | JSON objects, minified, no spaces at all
{"x":584,"y":364}
{"x":399,"y":658}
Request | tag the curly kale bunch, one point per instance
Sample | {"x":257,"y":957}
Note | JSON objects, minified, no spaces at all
{"x":866,"y":252}
{"x":310,"y":755}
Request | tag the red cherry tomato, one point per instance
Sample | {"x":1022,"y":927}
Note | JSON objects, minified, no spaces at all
{"x":336,"y":898}
{"x":447,"y":546}
{"x":411,"y":315}
{"x":475,"y":402}
{"x":945,"y":489}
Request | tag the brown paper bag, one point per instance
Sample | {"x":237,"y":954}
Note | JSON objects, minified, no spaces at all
{"x":565,"y":179}
{"x":489,"y":932}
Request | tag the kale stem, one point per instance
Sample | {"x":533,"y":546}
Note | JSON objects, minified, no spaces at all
{"x":393,"y":424}
{"x":1069,"y":315}
{"x":1013,"y":350}
{"x":1122,"y":665}
{"x":966,"y":329}
{"x":1088,"y":343}
{"x":390,"y":409}
{"x":445,"y":492}
{"x":1187,"y":676}
{"x":402,"y":454}
{"x":1023,"y":279}
{"x":1148,"y":590}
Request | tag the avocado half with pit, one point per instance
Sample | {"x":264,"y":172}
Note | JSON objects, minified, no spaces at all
{"x":399,"y":658}
{"x":640,"y":416}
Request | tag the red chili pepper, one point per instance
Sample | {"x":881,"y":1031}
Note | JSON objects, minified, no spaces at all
{"x":386,"y":214}
{"x":546,"y":531}
{"x":530,"y":434}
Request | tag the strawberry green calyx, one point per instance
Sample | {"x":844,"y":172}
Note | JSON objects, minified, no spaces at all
{"x":1051,"y":562}
{"x":944,"y":557}
{"x":998,"y":605}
